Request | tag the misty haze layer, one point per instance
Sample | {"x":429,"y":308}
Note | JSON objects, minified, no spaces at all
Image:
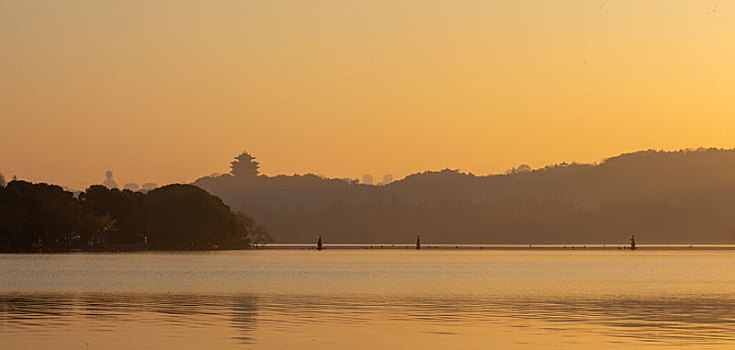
{"x":661,"y":197}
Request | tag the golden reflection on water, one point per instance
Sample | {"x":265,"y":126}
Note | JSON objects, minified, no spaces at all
{"x":367,"y":300}
{"x":123,"y":321}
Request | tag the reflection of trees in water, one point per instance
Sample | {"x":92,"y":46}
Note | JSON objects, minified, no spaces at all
{"x":243,"y":314}
{"x":45,"y":312}
{"x":28,"y":311}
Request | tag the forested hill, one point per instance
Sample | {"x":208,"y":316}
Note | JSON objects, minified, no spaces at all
{"x":45,"y":218}
{"x":685,"y":196}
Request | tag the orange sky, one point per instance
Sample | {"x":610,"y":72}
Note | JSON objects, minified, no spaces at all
{"x":167,"y":91}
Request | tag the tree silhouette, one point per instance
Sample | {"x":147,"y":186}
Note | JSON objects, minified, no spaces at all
{"x":38,"y":216}
{"x":126,"y":207}
{"x":42,"y":217}
{"x":187,"y":217}
{"x":255,"y":233}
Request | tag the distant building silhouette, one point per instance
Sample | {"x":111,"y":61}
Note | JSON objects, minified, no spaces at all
{"x":387,"y":178}
{"x":131,"y":186}
{"x":244,"y":165}
{"x":367,"y":179}
{"x":109,"y":181}
{"x":149,"y":186}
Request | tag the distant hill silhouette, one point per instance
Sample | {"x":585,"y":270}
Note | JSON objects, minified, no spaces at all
{"x":685,"y":196}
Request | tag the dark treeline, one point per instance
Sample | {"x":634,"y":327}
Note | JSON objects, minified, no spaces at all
{"x":42,"y":217}
{"x":685,"y":196}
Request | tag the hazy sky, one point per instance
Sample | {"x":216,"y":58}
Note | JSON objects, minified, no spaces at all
{"x":167,"y":91}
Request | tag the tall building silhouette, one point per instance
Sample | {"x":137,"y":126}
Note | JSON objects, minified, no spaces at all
{"x":109,"y":181}
{"x":367,"y":179}
{"x":131,"y":186}
{"x":387,"y":178}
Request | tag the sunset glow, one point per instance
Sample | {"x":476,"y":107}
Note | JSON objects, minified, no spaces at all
{"x":168,"y":91}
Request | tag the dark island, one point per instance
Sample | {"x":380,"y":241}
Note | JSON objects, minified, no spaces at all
{"x":46,"y":218}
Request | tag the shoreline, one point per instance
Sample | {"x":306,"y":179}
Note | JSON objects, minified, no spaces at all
{"x":445,"y":246}
{"x":442,"y":247}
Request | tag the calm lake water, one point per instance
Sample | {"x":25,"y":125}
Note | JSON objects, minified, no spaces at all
{"x":368,"y":299}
